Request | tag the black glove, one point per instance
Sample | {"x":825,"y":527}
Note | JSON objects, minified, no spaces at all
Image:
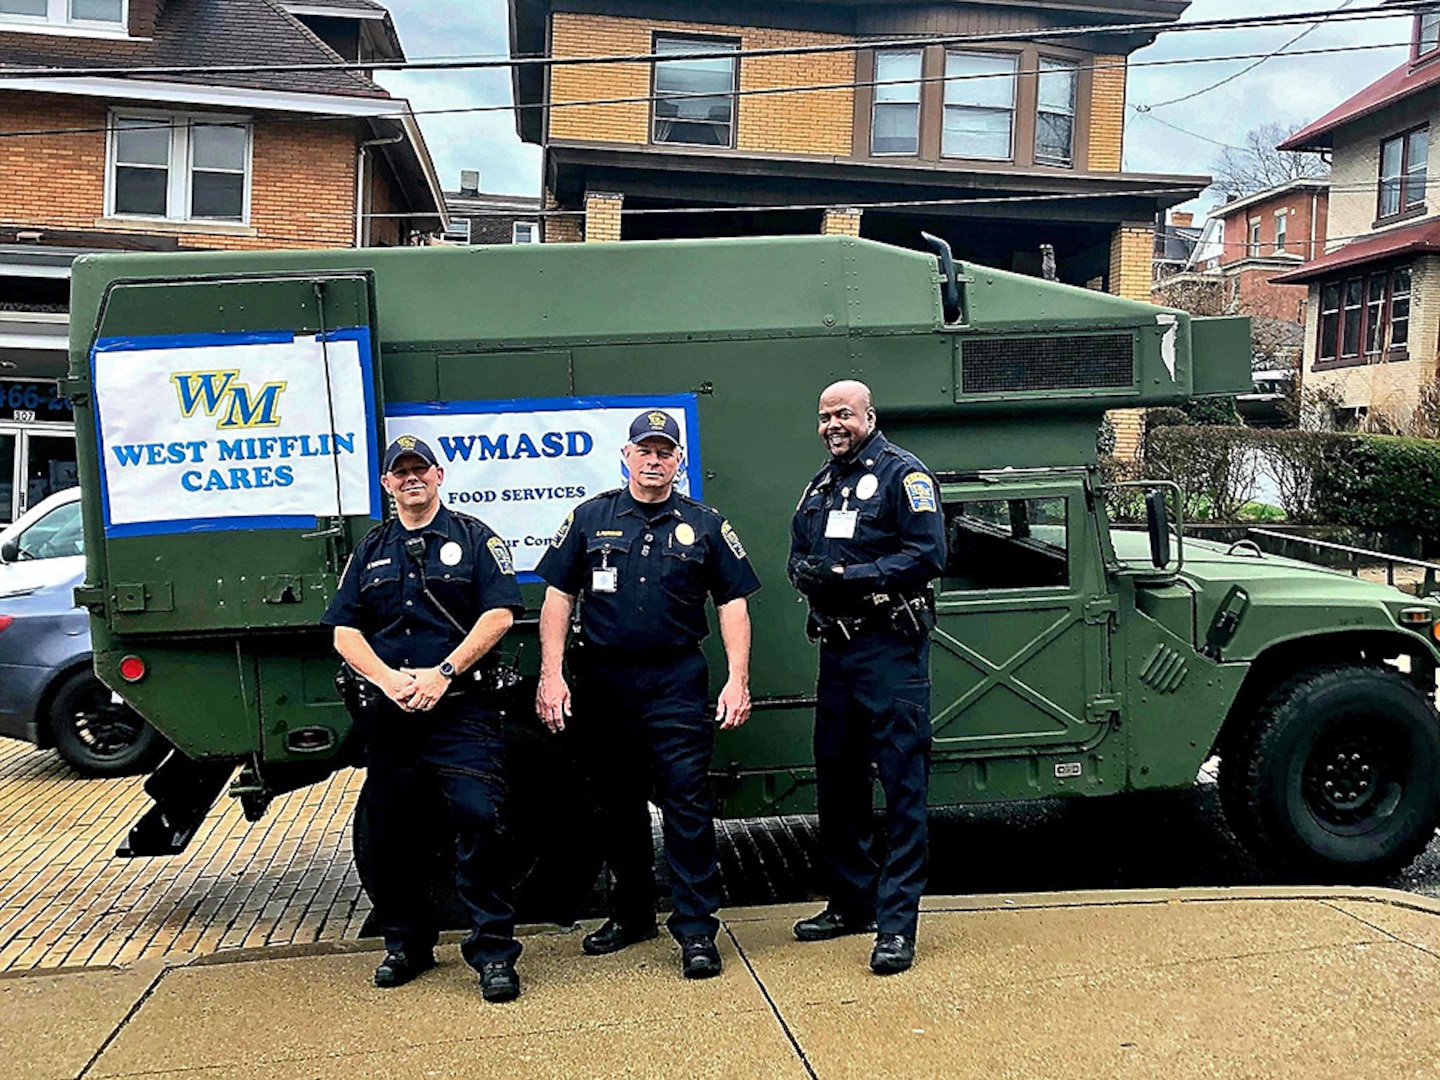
{"x":815,"y":576}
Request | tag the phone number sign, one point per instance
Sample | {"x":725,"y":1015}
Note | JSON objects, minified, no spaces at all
{"x":31,"y":401}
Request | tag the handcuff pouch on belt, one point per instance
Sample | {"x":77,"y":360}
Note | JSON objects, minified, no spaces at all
{"x":912,"y":617}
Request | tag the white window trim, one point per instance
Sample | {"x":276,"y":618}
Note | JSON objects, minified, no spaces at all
{"x":179,"y":170}
{"x":1282,"y":229}
{"x":451,"y":235}
{"x":57,"y":20}
{"x":515,"y":232}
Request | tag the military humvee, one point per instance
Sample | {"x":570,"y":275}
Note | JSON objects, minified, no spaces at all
{"x":230,"y":410}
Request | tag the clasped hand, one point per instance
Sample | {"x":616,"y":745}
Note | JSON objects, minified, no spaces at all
{"x":416,"y":689}
{"x":815,"y":575}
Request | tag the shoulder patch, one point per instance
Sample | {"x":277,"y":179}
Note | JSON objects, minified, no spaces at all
{"x":500,"y":552}
{"x":564,"y":530}
{"x":920,"y":490}
{"x":732,"y":540}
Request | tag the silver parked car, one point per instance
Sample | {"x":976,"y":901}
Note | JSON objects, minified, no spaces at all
{"x":49,"y":694}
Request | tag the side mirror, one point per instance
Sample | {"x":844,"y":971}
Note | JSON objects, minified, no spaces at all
{"x":10,"y":552}
{"x":1157,"y":520}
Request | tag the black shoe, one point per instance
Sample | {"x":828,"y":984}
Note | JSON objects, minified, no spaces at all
{"x":398,"y":968}
{"x":499,"y":981}
{"x":699,"y":958}
{"x":893,"y":953}
{"x":615,"y":935}
{"x":832,"y":924}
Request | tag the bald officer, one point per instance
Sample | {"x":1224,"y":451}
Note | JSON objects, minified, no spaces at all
{"x":641,"y":561}
{"x":867,"y":540}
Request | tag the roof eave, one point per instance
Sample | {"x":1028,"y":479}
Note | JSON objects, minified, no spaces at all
{"x":414,"y":169}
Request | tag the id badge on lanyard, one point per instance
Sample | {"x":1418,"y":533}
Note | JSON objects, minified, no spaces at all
{"x":604,"y":578}
{"x":840,"y":524}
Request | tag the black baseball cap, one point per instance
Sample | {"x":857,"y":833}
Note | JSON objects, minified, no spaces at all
{"x":407,"y":444}
{"x":655,"y":424}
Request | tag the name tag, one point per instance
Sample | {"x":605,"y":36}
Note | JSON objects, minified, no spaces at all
{"x":604,"y":580}
{"x":840,"y":524}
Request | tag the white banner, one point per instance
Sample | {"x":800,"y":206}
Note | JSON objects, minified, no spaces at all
{"x":234,"y":431}
{"x":522,"y":466}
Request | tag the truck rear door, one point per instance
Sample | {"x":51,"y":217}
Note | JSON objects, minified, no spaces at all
{"x":1020,"y":659}
{"x":237,"y":425}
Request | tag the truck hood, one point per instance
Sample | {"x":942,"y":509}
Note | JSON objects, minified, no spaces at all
{"x":1288,"y":598}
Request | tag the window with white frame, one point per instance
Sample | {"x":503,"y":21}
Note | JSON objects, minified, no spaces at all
{"x":979,"y":106}
{"x":525,"y":232}
{"x":1252,"y":244}
{"x":1055,"y":113}
{"x":695,"y":99}
{"x":180,"y":167}
{"x":77,"y":14}
{"x":458,"y":232}
{"x":895,"y":127}
{"x":1282,"y":228}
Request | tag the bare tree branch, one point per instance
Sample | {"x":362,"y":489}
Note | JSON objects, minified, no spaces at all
{"x":1259,"y":165}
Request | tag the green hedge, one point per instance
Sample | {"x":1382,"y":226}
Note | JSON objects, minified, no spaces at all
{"x":1368,"y":482}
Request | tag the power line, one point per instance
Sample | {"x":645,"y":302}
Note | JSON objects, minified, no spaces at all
{"x":1246,"y":70}
{"x":1390,"y":11}
{"x":797,"y":88}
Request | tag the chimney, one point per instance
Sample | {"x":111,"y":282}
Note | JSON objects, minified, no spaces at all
{"x":1181,"y":221}
{"x":469,"y":181}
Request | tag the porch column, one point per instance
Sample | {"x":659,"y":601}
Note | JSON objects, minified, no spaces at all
{"x":602,"y":216}
{"x":1132,"y":257}
{"x":841,"y":222}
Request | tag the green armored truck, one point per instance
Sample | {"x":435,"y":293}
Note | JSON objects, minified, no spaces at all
{"x":230,"y":408}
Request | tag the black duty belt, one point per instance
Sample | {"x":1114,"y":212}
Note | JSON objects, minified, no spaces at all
{"x":908,"y":615}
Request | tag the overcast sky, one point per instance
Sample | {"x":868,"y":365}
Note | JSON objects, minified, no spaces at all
{"x":1285,"y":90}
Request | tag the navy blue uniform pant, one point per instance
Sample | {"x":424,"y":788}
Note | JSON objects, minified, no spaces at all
{"x":458,"y":749}
{"x":642,"y":728}
{"x":874,"y":706}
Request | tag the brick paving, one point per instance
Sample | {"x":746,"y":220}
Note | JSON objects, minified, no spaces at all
{"x":65,"y":900}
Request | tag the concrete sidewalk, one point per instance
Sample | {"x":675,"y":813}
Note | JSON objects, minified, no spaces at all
{"x":1254,"y":983}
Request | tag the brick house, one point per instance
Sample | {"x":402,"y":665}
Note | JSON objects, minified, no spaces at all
{"x":1230,"y":271}
{"x":102,"y":161}
{"x":1373,"y":315}
{"x":478,"y":217}
{"x":1032,"y":127}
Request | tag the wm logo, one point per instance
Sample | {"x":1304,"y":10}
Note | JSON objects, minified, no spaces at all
{"x":217,"y":393}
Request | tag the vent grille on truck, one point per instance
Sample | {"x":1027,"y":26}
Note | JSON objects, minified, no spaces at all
{"x":1019,"y":364}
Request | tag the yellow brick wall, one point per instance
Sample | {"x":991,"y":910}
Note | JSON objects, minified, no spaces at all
{"x":840,"y":223}
{"x":602,"y":216}
{"x":1107,"y":115}
{"x":561,"y":228}
{"x":1132,"y":249}
{"x":818,"y":122}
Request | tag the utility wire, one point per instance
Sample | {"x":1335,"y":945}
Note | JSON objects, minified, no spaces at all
{"x":1245,"y":70}
{"x":1390,"y":11}
{"x":797,"y":88}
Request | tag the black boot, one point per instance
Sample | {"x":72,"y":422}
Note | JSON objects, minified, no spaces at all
{"x":832,"y":924}
{"x":615,"y":935}
{"x":398,"y":968}
{"x":893,"y":953}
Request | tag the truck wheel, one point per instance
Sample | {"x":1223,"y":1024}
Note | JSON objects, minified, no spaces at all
{"x":1337,"y":775}
{"x":98,"y":736}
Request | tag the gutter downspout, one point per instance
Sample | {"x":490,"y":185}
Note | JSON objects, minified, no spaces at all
{"x":1314,"y":209}
{"x":360,"y":158}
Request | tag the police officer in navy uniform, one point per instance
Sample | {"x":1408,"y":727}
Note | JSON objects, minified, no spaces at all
{"x":424,"y":601}
{"x":640,"y":561}
{"x":867,"y":539}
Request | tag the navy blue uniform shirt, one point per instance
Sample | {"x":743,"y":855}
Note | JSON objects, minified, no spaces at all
{"x":667,"y":556}
{"x":898,"y":546}
{"x":468,"y":568}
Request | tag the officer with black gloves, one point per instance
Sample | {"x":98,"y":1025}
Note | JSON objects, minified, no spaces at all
{"x":423,"y":603}
{"x":640,"y":561}
{"x":867,"y":540}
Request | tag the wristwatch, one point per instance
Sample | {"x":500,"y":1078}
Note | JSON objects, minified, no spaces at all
{"x":447,"y":669}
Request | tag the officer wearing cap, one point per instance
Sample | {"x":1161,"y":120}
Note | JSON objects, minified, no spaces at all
{"x":423,"y":603}
{"x":867,"y":540}
{"x":639,"y":562}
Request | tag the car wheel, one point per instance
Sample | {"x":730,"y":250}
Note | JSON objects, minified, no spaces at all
{"x":1337,"y":775}
{"x":98,"y":736}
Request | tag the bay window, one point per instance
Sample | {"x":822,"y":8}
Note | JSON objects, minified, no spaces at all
{"x":1365,"y":318}
{"x":979,"y":117}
